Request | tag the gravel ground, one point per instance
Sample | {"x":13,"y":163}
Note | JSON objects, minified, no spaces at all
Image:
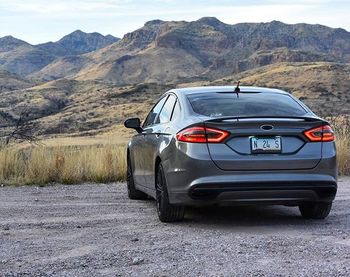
{"x":94,"y":230}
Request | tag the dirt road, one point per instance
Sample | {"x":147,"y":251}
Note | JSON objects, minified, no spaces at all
{"x":94,"y":230}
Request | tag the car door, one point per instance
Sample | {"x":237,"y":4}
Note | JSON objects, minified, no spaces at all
{"x":141,"y":155}
{"x":157,"y":136}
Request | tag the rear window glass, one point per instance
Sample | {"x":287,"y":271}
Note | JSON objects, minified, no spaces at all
{"x":247,"y":104}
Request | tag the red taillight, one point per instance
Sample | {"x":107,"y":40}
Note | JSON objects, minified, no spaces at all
{"x":201,"y":134}
{"x":193,"y":134}
{"x":322,"y":133}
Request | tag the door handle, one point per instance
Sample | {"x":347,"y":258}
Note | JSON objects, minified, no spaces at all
{"x":158,"y":133}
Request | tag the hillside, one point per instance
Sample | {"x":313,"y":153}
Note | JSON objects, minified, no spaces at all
{"x":78,"y":107}
{"x":9,"y":82}
{"x":324,"y":87}
{"x":22,"y":58}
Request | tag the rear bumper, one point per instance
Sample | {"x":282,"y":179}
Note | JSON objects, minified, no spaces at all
{"x":195,"y":180}
{"x":287,"y":192}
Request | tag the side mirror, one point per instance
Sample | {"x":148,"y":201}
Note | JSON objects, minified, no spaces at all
{"x":133,"y":123}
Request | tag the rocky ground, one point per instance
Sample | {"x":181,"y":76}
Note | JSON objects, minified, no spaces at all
{"x":95,"y":230}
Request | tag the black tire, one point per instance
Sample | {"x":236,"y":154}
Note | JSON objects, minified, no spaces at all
{"x":133,"y":193}
{"x":315,"y":210}
{"x":166,"y":211}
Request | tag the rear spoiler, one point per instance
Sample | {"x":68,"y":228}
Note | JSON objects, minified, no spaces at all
{"x":305,"y":118}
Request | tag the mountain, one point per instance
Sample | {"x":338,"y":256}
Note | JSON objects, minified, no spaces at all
{"x":178,"y":51}
{"x":78,"y":42}
{"x":88,"y":107}
{"x":20,"y":57}
{"x":9,"y":43}
{"x":88,"y":82}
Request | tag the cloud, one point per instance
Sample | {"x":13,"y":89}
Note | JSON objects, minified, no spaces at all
{"x":43,"y":20}
{"x":120,"y":6}
{"x":43,"y":7}
{"x":142,"y":7}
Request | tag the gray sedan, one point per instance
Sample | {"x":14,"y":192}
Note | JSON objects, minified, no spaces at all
{"x":229,"y":145}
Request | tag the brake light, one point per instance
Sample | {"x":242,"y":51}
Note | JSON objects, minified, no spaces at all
{"x":201,"y":134}
{"x":323,"y":133}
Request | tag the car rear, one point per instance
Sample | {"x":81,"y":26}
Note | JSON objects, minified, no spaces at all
{"x":255,"y":146}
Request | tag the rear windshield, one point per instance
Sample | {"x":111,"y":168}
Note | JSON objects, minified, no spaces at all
{"x":247,"y":104}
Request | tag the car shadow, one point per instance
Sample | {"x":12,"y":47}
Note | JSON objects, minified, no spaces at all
{"x":250,"y":216}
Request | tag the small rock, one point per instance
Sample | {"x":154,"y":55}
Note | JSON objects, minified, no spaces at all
{"x":137,"y":261}
{"x":6,"y":228}
{"x":135,"y":239}
{"x":36,"y":199}
{"x":78,"y":226}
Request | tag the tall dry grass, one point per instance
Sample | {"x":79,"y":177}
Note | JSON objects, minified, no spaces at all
{"x":102,"y":162}
{"x":75,"y":164}
{"x":342,"y":130}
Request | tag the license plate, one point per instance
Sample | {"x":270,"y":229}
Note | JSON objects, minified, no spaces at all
{"x":266,"y":144}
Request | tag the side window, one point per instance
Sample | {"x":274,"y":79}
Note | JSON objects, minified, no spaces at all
{"x":167,"y":110}
{"x":176,"y":111}
{"x":153,"y":113}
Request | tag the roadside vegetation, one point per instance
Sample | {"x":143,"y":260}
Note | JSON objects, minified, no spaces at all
{"x":100,"y":162}
{"x":342,"y":130}
{"x":62,"y":164}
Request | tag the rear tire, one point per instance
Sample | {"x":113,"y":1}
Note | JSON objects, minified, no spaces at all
{"x":166,"y":211}
{"x":315,"y":210}
{"x":133,"y":193}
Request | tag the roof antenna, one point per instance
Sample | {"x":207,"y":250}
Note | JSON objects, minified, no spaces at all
{"x":237,"y":89}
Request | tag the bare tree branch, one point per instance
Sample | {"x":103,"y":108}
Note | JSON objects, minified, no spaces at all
{"x":24,"y":130}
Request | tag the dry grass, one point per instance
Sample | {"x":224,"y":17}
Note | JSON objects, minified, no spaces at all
{"x":75,"y":164}
{"x":342,"y":129}
{"x":101,"y":162}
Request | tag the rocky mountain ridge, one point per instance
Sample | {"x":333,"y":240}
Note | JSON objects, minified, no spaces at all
{"x":22,"y":58}
{"x":176,"y":51}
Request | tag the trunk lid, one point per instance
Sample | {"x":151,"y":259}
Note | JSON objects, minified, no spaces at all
{"x":295,"y":151}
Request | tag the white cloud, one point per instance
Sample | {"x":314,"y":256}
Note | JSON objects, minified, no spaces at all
{"x":42,"y":20}
{"x":43,"y":7}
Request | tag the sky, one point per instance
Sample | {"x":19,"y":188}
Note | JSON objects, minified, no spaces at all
{"x":38,"y":21}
